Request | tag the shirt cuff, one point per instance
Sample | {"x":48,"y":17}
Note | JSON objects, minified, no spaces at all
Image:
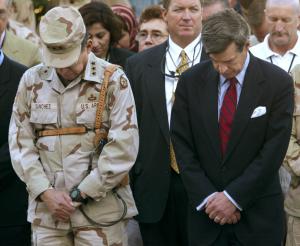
{"x":203,"y":203}
{"x":233,"y":201}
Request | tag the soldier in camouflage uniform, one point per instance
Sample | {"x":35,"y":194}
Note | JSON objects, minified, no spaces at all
{"x":292,"y":163}
{"x":75,"y":192}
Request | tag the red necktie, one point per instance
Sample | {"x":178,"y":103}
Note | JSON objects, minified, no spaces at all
{"x":227,"y":113}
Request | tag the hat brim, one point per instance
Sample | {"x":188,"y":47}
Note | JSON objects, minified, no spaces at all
{"x":60,"y":60}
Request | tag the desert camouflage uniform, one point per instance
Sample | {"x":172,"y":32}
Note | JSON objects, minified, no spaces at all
{"x":62,"y":162}
{"x":24,"y":32}
{"x":292,"y":163}
{"x":23,"y":12}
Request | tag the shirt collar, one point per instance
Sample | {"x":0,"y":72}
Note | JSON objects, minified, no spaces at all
{"x":241,"y":75}
{"x":1,"y":57}
{"x":190,"y":49}
{"x":269,"y":53}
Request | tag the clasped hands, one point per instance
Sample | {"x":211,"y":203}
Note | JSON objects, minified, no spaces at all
{"x":220,"y":209}
{"x":59,"y":204}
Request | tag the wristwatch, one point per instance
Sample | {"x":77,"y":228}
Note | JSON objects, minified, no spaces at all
{"x":75,"y":195}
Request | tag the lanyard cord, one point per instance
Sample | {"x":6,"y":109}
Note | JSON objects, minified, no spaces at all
{"x":172,"y":74}
{"x":291,"y":63}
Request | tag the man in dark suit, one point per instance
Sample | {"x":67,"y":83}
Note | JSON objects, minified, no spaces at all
{"x":157,"y":187}
{"x":231,"y":123}
{"x":14,"y":228}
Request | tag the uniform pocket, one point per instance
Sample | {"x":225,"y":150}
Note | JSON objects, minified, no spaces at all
{"x":86,"y":114}
{"x":43,"y":113}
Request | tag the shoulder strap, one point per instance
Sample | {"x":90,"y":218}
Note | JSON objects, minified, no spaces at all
{"x":109,"y":70}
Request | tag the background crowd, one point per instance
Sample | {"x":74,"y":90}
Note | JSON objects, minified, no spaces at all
{"x":119,"y":29}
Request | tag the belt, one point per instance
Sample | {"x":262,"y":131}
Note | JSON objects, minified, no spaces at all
{"x":62,"y":131}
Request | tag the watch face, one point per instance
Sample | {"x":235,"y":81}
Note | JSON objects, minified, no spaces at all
{"x":74,"y":194}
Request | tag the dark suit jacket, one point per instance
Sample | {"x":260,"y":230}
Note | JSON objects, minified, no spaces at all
{"x":13,"y":205}
{"x":150,"y":176}
{"x":119,"y":56}
{"x":249,"y":169}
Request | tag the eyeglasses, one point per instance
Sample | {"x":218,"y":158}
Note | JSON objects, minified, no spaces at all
{"x":155,"y":37}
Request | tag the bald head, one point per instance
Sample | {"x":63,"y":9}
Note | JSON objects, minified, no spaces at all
{"x":284,"y":3}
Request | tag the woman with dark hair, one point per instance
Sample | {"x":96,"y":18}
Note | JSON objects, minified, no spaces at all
{"x":105,"y":30}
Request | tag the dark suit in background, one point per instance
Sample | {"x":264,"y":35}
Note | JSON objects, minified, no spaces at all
{"x":153,"y":182}
{"x":119,"y":56}
{"x":14,"y":228}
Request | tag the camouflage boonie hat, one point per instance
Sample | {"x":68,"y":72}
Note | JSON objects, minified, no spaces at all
{"x":61,"y":30}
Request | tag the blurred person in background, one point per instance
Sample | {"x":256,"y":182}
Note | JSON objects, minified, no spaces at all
{"x":22,"y":11}
{"x":292,"y":163}
{"x":16,"y":48}
{"x":282,"y":45}
{"x":255,"y":16}
{"x":210,"y":7}
{"x":104,"y":29}
{"x":129,"y":27}
{"x":153,"y":29}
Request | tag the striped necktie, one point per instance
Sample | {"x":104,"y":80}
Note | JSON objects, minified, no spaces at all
{"x":183,"y":66}
{"x":227,"y":113}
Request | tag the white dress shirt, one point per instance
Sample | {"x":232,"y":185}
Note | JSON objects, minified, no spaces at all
{"x":193,"y":51}
{"x":286,"y":61}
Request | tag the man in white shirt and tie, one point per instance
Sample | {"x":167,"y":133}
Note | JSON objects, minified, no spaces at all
{"x":153,"y":74}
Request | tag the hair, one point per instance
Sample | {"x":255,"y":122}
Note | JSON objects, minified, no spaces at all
{"x":254,"y":13}
{"x":166,"y":3}
{"x":223,"y":28}
{"x":128,"y":19}
{"x":150,"y":13}
{"x":205,"y":3}
{"x":84,"y":41}
{"x":294,"y":3}
{"x":98,"y":12}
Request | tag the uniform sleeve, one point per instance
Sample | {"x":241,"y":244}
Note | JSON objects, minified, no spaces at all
{"x":119,"y":154}
{"x":292,"y":158}
{"x":24,"y":154}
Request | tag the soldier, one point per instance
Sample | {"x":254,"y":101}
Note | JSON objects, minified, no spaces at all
{"x":78,"y":194}
{"x":292,"y":163}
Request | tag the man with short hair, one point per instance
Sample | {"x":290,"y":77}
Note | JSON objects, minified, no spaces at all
{"x":255,"y":16}
{"x":152,"y":28}
{"x":158,"y":190}
{"x":231,"y":123}
{"x":73,"y":138}
{"x":282,"y":45}
{"x":210,"y":7}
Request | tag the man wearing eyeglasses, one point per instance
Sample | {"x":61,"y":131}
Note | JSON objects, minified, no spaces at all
{"x":152,"y":28}
{"x":156,"y":181}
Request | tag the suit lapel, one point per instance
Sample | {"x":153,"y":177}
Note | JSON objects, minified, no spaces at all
{"x":210,"y":109}
{"x":155,"y":82}
{"x":248,"y":99}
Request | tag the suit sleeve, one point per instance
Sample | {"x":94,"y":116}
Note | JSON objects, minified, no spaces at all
{"x":197,"y":184}
{"x":265,"y":165}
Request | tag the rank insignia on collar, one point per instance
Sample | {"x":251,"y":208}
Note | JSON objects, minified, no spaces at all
{"x":92,"y":98}
{"x":123,"y":82}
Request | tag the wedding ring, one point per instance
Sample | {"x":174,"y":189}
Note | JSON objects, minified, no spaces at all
{"x":217,"y":219}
